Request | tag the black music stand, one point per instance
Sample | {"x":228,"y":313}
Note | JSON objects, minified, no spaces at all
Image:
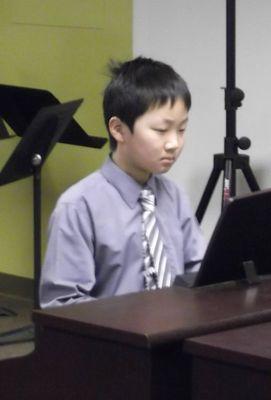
{"x":19,"y":105}
{"x":3,"y":131}
{"x":27,"y":160}
{"x":230,"y":160}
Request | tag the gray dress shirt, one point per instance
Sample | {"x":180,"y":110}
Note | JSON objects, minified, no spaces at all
{"x":95,"y":237}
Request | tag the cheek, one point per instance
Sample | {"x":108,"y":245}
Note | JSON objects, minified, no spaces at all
{"x":147,"y":154}
{"x":140,"y":153}
{"x":147,"y":146}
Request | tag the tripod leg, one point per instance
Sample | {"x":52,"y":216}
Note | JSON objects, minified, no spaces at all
{"x":250,"y":178}
{"x":207,"y":193}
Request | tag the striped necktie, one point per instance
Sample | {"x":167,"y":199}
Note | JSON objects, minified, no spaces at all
{"x":157,"y":272}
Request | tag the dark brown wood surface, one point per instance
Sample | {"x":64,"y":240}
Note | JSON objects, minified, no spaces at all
{"x":148,"y":319}
{"x":248,"y":346}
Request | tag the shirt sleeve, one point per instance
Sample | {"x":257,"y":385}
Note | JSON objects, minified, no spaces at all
{"x":68,"y":272}
{"x":194,"y":244}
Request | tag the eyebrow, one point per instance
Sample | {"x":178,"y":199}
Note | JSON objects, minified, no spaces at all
{"x":169,"y":120}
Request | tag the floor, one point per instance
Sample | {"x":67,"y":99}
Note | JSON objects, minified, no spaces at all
{"x":16,"y":330}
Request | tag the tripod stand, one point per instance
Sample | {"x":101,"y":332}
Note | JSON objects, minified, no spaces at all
{"x":230,"y":160}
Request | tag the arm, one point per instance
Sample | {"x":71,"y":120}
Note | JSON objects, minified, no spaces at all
{"x":68,"y":273}
{"x":194,"y":245}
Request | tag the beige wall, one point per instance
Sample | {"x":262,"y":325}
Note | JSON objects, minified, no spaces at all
{"x":62,"y":46}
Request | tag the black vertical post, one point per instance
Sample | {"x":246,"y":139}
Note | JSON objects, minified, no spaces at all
{"x":230,"y":143}
{"x":230,"y":46}
{"x":36,"y":162}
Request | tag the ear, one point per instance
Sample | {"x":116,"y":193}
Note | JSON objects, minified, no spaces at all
{"x":116,"y":128}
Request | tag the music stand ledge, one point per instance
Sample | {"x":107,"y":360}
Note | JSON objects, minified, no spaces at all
{"x":19,"y":105}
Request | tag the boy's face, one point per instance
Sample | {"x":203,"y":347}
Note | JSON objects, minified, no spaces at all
{"x":156,"y":141}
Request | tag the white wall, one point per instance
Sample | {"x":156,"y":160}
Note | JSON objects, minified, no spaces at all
{"x":191,"y":36}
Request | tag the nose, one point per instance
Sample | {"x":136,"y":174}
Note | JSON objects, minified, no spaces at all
{"x":173,"y":142}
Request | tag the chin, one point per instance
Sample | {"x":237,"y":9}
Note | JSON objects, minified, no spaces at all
{"x":161,"y":171}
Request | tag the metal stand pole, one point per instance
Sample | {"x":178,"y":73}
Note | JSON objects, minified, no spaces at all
{"x":36,"y":162}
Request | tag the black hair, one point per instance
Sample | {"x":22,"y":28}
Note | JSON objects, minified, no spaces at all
{"x":138,"y":85}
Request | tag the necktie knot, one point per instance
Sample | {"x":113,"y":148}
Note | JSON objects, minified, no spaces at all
{"x":147,"y":200}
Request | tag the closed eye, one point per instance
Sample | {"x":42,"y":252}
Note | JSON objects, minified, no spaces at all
{"x":160,"y":130}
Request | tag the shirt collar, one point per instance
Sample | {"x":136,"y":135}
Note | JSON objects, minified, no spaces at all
{"x":128,"y":188}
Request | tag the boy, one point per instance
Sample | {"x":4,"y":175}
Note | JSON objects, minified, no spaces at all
{"x":100,"y":242}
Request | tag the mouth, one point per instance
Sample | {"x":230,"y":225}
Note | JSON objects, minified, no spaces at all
{"x":168,"y":159}
{"x":167,"y":162}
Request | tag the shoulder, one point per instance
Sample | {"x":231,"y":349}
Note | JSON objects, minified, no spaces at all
{"x":83,"y":189}
{"x":80,"y":198}
{"x":74,"y":206}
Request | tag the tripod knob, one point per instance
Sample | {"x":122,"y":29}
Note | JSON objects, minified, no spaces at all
{"x":233,"y":98}
{"x":244,"y":143}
